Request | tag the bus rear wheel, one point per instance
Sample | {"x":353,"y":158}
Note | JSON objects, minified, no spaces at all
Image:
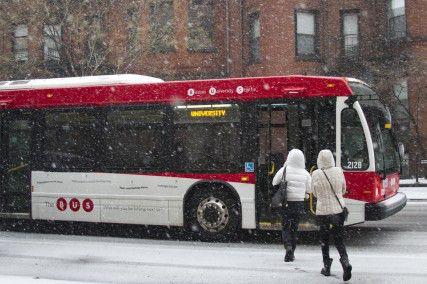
{"x":213,"y":215}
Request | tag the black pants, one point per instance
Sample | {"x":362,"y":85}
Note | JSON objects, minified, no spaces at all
{"x":291,"y":215}
{"x":332,"y":224}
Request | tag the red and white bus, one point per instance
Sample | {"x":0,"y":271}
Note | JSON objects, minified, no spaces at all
{"x":134,"y":149}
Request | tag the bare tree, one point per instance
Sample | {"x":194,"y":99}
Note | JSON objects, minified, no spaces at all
{"x":390,"y":72}
{"x":72,"y":37}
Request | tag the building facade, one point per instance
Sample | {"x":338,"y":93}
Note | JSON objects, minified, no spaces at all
{"x":382,"y":42}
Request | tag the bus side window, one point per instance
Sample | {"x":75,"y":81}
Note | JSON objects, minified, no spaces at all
{"x":134,"y":138}
{"x":354,"y":151}
{"x":207,"y":138}
{"x":70,"y":141}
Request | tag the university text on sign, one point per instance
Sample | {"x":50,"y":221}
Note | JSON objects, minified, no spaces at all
{"x":208,"y":113}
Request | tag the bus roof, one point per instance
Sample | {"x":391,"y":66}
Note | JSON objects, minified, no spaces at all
{"x":74,"y":82}
{"x":354,"y":80}
{"x":134,"y":89}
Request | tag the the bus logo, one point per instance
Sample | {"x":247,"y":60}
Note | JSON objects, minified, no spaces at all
{"x":74,"y":204}
{"x":240,"y":90}
{"x":212,"y":91}
{"x":61,"y":204}
{"x":190,"y":92}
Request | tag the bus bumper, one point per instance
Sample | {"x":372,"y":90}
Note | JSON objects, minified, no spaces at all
{"x":383,"y":209}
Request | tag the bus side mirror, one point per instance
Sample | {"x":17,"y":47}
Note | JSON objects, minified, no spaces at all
{"x":350,"y":101}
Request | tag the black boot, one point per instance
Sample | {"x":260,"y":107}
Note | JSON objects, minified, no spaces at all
{"x":346,"y":267}
{"x":326,"y":270}
{"x":289,"y":257}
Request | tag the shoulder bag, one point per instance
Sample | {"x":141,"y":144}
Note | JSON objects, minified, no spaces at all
{"x":344,"y":209}
{"x":280,"y":196}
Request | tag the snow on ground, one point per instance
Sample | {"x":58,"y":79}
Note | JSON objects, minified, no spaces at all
{"x":414,"y":193}
{"x":412,"y":181}
{"x":4,"y":279}
{"x":399,"y":257}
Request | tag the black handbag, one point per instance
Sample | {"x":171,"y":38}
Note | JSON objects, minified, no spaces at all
{"x":344,"y":209}
{"x":280,"y":196}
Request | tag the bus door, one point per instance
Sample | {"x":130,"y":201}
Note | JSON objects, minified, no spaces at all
{"x":16,"y":137}
{"x":276,"y":126}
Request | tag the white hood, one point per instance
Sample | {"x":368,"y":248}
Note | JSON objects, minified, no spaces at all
{"x":295,"y":159}
{"x":325,"y":160}
{"x":296,"y":175}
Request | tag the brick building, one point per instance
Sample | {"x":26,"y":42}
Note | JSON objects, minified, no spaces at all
{"x":382,"y":42}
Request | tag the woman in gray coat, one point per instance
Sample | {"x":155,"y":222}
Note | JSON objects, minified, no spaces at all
{"x":328,"y":185}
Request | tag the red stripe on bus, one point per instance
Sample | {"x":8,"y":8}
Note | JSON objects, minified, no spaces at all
{"x":239,"y":177}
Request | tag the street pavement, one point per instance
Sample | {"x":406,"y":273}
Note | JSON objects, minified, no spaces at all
{"x":389,"y":251}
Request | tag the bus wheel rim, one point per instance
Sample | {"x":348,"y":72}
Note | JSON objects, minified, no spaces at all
{"x":213,"y":214}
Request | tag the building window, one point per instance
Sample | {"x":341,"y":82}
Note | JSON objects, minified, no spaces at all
{"x":397,"y":19}
{"x":161,"y":26}
{"x":306,"y":39}
{"x":400,"y":91}
{"x":96,"y":45}
{"x":350,"y":30}
{"x":20,"y":43}
{"x":133,"y":29}
{"x":200,"y":25}
{"x":52,"y":40}
{"x":254,"y":39}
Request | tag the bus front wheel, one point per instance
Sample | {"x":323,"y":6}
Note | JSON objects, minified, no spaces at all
{"x":213,"y":215}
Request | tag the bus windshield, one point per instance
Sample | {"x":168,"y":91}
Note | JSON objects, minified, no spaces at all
{"x":378,"y":117}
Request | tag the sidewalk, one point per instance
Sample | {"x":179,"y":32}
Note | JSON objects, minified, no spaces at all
{"x":415,"y":193}
{"x":411,"y":182}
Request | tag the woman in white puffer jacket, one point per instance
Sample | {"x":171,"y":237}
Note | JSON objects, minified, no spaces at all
{"x":298,"y":184}
{"x":328,"y":185}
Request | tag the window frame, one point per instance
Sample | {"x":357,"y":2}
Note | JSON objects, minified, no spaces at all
{"x":403,"y":104}
{"x":165,"y":47}
{"x":316,"y":45}
{"x":391,"y":18}
{"x":18,"y":53}
{"x":344,"y":13}
{"x":47,"y":56}
{"x":210,"y":31}
{"x":96,"y":35}
{"x":252,"y":57}
{"x":133,"y":34}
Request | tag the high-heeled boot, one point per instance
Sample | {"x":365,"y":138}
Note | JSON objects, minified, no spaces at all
{"x":346,"y":267}
{"x":326,"y":270}
{"x":289,"y":257}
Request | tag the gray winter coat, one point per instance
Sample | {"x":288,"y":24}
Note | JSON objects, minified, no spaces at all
{"x":327,"y":203}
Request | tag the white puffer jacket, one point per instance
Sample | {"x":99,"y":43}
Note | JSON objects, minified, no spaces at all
{"x":296,"y":175}
{"x":327,"y":204}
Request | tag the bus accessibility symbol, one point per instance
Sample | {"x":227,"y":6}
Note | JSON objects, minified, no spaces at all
{"x":249,"y":167}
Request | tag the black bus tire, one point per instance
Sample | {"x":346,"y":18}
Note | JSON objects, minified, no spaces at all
{"x":213,"y":215}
